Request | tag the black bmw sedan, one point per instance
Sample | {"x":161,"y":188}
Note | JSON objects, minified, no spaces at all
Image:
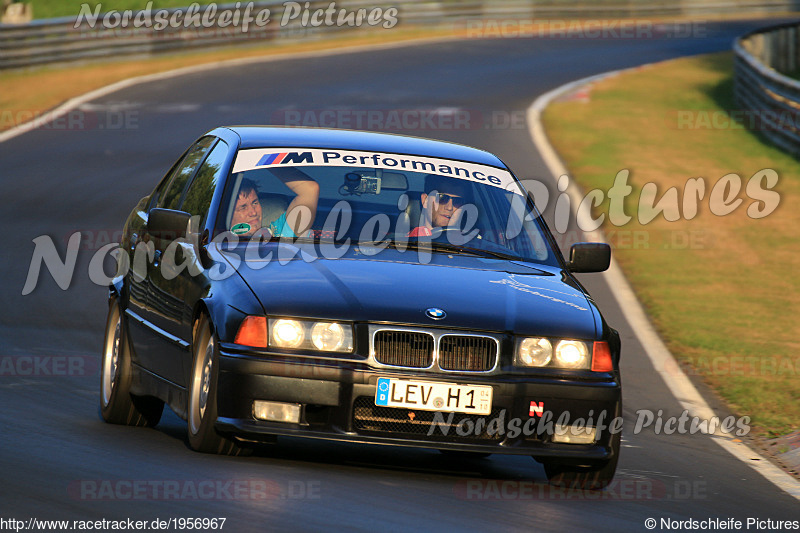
{"x":364,"y":287}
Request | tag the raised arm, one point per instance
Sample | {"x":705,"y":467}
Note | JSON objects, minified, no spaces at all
{"x":303,"y":208}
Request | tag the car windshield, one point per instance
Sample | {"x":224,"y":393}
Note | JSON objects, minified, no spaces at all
{"x":386,"y":200}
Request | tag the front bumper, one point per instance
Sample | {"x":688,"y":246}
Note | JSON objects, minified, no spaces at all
{"x":337,"y":399}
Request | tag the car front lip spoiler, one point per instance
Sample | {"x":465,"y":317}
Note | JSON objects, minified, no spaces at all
{"x":257,"y":430}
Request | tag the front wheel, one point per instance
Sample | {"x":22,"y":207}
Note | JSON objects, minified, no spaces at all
{"x":202,"y":412}
{"x":117,"y":404}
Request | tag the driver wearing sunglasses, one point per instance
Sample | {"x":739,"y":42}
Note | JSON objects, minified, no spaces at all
{"x":441,"y":204}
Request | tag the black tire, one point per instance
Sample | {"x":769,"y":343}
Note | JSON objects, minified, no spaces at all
{"x":117,"y":404}
{"x":595,"y":476}
{"x":202,"y":408}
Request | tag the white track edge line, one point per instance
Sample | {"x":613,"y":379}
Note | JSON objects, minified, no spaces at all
{"x":663,"y":361}
{"x":76,"y":101}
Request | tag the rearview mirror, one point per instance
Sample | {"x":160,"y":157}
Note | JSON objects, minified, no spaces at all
{"x":368,"y":182}
{"x":589,"y":257}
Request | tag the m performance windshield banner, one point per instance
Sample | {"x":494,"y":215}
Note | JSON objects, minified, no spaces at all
{"x":258,"y":158}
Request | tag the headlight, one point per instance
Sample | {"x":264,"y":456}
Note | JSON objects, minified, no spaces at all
{"x":310,"y":335}
{"x":572,"y":354}
{"x":327,"y":336}
{"x":538,"y":352}
{"x":287,"y":333}
{"x":534,"y":352}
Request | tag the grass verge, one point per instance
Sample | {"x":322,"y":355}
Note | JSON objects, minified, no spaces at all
{"x":69,"y":8}
{"x":722,"y":289}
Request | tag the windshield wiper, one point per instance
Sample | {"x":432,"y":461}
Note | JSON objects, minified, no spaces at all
{"x":475,"y":251}
{"x":459,"y":249}
{"x":398,"y":245}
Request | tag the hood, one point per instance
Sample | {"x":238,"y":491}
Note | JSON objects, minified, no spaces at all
{"x":475,"y":293}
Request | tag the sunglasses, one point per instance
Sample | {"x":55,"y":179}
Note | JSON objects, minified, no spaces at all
{"x":444,"y":199}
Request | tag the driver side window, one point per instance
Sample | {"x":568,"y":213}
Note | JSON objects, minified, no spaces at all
{"x":201,"y":190}
{"x":162,"y":185}
{"x":170,"y":195}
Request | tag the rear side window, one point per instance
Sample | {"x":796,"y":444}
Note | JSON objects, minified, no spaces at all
{"x":185,"y":170}
{"x":200,"y":192}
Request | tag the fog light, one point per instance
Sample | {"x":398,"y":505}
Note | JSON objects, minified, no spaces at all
{"x":277,"y":411}
{"x":574,"y":435}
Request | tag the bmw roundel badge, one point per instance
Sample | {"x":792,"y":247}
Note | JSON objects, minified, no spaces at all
{"x":435,"y":313}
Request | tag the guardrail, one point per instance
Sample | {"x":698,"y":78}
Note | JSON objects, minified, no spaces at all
{"x":67,"y":39}
{"x":764,"y":89}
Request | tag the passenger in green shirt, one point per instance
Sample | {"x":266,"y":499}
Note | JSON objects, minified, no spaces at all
{"x":247,"y":214}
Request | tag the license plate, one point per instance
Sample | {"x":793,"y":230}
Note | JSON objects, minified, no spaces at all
{"x":434,"y":396}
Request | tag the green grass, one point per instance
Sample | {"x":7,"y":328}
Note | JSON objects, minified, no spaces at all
{"x":70,"y":8}
{"x":728,"y":305}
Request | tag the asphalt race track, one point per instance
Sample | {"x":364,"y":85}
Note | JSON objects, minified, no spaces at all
{"x":60,"y":461}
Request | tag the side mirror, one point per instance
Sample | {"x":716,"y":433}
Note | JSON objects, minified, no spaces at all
{"x":589,"y":257}
{"x":166,"y":225}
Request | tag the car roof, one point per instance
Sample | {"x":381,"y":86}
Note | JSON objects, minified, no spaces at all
{"x":291,"y":137}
